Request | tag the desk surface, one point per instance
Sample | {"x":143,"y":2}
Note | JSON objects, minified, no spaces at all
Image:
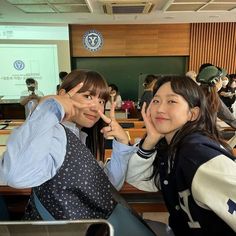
{"x":6,"y":190}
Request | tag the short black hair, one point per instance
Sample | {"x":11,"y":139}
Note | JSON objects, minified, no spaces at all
{"x":62,"y":74}
{"x":30,"y":81}
{"x":204,"y":65}
{"x":113,"y":87}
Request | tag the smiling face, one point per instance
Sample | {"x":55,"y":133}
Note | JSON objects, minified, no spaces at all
{"x":170,"y":111}
{"x":87,"y":117}
{"x":94,"y":89}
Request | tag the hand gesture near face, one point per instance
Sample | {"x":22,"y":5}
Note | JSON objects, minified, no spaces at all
{"x":152,"y":135}
{"x":69,"y":104}
{"x":113,"y":129}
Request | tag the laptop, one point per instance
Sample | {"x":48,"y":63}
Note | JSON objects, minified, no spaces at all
{"x":56,"y":228}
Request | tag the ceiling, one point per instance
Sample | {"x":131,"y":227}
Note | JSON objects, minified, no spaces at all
{"x":117,"y":11}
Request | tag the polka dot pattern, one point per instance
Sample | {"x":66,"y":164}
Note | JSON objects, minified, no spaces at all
{"x":80,"y":189}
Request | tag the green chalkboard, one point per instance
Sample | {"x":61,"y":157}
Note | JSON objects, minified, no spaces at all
{"x":128,"y":72}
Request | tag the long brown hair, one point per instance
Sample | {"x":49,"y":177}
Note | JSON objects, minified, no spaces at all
{"x":213,"y":100}
{"x":94,"y":82}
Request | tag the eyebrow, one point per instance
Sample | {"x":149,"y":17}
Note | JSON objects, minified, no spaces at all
{"x":168,"y":95}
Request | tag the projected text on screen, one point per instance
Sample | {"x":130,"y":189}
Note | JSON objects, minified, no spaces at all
{"x":21,"y":61}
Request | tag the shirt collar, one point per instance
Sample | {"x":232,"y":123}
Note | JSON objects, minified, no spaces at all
{"x":80,"y":134}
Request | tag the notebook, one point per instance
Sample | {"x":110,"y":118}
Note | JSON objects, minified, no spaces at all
{"x":55,"y":228}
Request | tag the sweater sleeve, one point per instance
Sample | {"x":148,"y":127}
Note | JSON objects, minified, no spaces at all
{"x":225,"y":115}
{"x":220,"y":197}
{"x":140,"y":168}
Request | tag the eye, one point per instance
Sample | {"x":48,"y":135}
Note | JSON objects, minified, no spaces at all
{"x":155,"y":101}
{"x":88,"y":96}
{"x":102,"y":101}
{"x":171,"y":101}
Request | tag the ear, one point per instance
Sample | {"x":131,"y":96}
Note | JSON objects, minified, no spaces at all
{"x":194,"y":113}
{"x":62,"y":92}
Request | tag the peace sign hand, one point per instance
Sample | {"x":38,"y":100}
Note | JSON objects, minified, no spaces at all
{"x":113,"y":128}
{"x":69,"y":104}
{"x":152,"y":135}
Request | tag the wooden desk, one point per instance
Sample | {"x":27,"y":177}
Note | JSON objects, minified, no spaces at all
{"x":12,"y":122}
{"x":141,"y":201}
{"x":8,"y":191}
{"x":136,"y":134}
{"x":133,"y":124}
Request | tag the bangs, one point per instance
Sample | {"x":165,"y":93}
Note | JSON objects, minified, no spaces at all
{"x":97,"y":86}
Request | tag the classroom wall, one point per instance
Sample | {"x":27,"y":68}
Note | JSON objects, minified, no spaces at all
{"x":128,"y":72}
{"x":131,"y":50}
{"x":133,"y":40}
{"x":214,"y":43}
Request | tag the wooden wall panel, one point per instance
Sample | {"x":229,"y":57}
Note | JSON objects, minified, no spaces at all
{"x":213,"y":43}
{"x":134,"y":40}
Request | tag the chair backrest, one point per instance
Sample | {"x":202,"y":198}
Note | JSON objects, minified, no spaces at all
{"x":4,"y":215}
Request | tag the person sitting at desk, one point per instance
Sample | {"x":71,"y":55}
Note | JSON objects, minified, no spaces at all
{"x":149,"y":85}
{"x":227,"y":92}
{"x":30,"y":97}
{"x":114,"y":97}
{"x":183,"y":157}
{"x":210,"y":79}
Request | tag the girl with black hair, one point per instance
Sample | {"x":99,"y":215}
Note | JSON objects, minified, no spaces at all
{"x":183,"y":156}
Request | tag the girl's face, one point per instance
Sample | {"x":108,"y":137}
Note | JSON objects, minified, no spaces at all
{"x":87,"y":117}
{"x":225,"y":81}
{"x":233,"y":84}
{"x":169,"y":111}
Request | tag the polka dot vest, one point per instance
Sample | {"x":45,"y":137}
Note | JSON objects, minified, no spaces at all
{"x":79,"y":190}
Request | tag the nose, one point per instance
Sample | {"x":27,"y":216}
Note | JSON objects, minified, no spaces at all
{"x":95,"y":106}
{"x":160,"y":108}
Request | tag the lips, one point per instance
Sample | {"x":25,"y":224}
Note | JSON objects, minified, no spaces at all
{"x":160,"y":119}
{"x":91,"y":117}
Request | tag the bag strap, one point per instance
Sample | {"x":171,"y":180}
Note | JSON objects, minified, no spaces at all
{"x":121,"y":200}
{"x":43,"y":212}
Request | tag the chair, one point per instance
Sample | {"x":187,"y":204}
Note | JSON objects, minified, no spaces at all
{"x":161,"y":229}
{"x":4,"y":215}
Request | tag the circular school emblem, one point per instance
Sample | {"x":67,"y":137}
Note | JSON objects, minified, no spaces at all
{"x":19,"y":65}
{"x":93,"y":40}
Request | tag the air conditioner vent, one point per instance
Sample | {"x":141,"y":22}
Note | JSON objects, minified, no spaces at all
{"x":127,"y":8}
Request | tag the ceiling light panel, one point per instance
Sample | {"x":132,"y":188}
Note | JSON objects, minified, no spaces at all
{"x":228,"y":1}
{"x":67,"y":1}
{"x":191,"y":1}
{"x":15,"y":2}
{"x":66,"y":8}
{"x":35,"y":8}
{"x":184,"y":7}
{"x":219,"y":7}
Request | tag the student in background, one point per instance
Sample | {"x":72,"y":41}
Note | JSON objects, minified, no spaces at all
{"x":183,"y":156}
{"x":114,"y":97}
{"x":192,"y":74}
{"x":149,"y":85}
{"x":227,"y":92}
{"x":30,"y":97}
{"x":62,"y":76}
{"x":210,"y":78}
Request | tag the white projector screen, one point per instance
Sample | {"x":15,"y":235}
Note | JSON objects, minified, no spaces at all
{"x":32,"y":51}
{"x":23,"y":61}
